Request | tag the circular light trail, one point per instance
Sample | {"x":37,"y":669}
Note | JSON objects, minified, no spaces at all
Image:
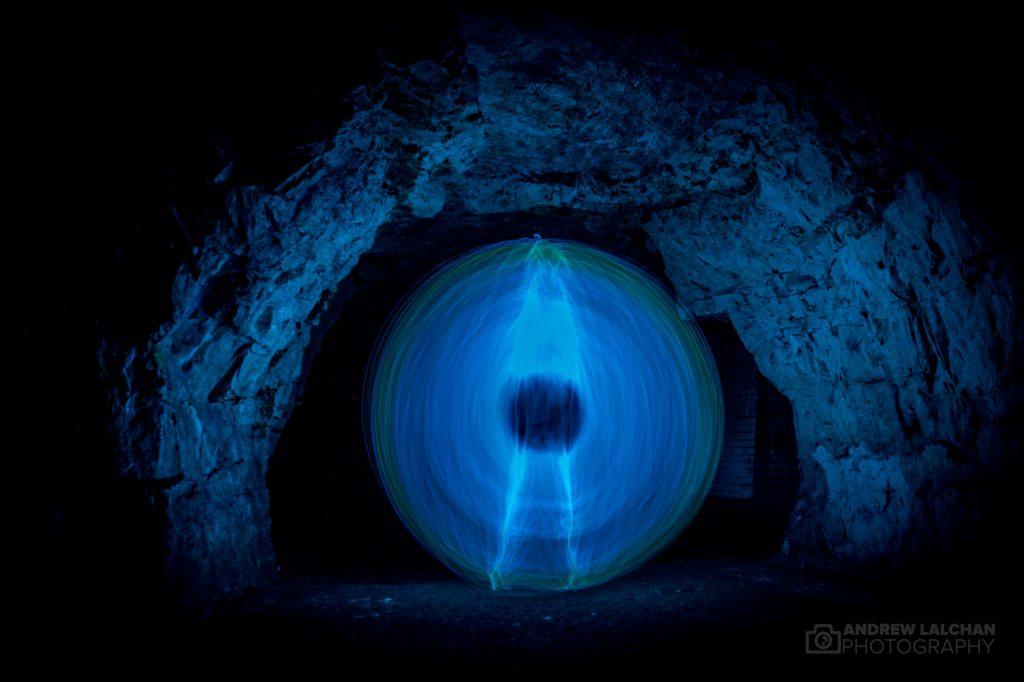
{"x":543,"y":415}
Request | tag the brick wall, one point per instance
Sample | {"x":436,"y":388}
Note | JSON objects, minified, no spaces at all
{"x":754,"y":490}
{"x":739,"y":375}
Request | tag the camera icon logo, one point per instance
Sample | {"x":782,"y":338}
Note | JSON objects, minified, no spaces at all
{"x":823,"y":639}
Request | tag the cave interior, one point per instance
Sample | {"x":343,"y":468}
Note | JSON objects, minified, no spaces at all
{"x":834,"y":214}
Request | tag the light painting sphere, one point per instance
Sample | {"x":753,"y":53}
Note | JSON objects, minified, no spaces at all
{"x":543,"y":415}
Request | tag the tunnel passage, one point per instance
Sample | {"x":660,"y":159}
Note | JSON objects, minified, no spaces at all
{"x":329,"y":513}
{"x":758,"y":476}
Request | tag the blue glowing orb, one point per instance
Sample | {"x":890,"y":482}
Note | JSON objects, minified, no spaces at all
{"x":543,"y":415}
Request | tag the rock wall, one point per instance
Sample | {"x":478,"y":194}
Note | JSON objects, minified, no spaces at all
{"x":860,"y":289}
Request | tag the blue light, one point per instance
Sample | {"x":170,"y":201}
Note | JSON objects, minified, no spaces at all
{"x":543,"y":415}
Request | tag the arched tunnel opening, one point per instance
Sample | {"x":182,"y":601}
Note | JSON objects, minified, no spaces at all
{"x":328,"y":510}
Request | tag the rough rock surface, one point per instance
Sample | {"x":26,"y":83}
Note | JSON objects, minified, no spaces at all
{"x":860,"y":289}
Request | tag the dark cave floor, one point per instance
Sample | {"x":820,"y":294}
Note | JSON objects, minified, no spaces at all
{"x":692,"y":608}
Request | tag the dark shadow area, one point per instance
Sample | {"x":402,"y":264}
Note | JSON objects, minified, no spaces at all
{"x":755,"y":488}
{"x":103,"y":573}
{"x":544,"y":413}
{"x":666,"y":613}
